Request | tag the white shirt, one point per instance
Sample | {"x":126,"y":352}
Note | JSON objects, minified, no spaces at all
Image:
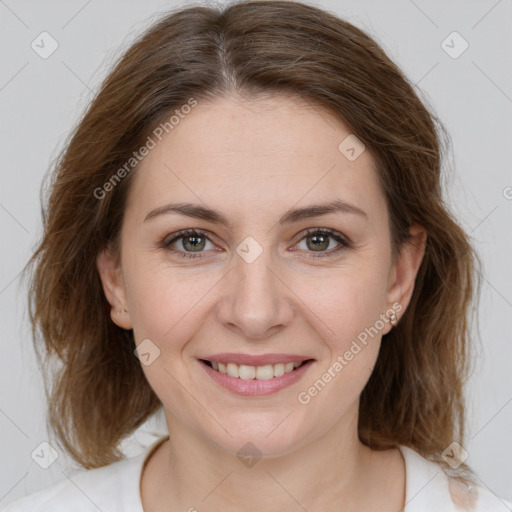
{"x":116,"y":488}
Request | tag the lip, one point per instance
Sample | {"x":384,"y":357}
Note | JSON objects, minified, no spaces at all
{"x":256,"y":387}
{"x":256,"y":360}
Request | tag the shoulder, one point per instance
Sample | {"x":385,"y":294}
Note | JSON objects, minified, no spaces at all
{"x":429,"y":487}
{"x":488,"y":501}
{"x":108,"y":488}
{"x":477,"y":498}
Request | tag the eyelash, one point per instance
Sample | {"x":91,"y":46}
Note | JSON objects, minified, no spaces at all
{"x":344,"y":244}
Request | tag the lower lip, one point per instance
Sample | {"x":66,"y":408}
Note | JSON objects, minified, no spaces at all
{"x":256,"y":387}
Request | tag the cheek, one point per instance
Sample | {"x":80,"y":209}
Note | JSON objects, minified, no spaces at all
{"x":162,"y":300}
{"x":347,"y":301}
{"x":166,"y":308}
{"x":350,"y":328}
{"x":347,"y":309}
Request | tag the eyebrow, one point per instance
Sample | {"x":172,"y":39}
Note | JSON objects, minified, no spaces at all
{"x":293,"y":215}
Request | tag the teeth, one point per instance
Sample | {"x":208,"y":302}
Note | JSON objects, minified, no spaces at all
{"x":245,"y":372}
{"x":233,"y":370}
{"x":278,"y":369}
{"x":265,"y":372}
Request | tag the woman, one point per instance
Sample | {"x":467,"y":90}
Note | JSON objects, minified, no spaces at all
{"x":247,"y":230}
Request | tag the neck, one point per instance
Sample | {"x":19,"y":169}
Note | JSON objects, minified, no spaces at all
{"x":189,"y":472}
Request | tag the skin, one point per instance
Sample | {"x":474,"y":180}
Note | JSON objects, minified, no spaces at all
{"x":253,"y":160}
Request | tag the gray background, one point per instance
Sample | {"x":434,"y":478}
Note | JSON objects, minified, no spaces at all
{"x":41,"y":99}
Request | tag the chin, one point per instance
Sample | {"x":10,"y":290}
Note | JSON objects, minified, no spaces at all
{"x":265,"y":438}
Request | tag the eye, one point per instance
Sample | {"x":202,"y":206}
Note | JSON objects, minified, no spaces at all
{"x":191,"y":241}
{"x":318,"y":240}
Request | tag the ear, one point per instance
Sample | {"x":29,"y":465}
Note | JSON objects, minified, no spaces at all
{"x":405,"y":269}
{"x":114,"y":288}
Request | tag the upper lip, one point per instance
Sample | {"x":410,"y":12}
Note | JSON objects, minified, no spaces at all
{"x":256,"y":360}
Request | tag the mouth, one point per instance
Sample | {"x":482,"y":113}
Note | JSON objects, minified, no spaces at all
{"x":256,"y":380}
{"x":248,"y":372}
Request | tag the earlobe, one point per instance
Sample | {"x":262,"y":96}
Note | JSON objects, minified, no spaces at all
{"x":405,"y":269}
{"x":113,"y":286}
{"x":121,"y":318}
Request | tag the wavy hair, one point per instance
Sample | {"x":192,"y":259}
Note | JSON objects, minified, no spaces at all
{"x":97,"y":393}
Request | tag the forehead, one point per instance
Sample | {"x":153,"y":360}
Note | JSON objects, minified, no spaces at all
{"x":256,"y":154}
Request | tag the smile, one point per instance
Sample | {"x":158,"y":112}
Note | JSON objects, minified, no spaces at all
{"x":255,"y":380}
{"x":246,"y":372}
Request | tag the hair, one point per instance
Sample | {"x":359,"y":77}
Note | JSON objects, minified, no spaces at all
{"x":98,"y":394}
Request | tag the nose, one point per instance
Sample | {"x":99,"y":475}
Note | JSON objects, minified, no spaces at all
{"x":256,"y":301}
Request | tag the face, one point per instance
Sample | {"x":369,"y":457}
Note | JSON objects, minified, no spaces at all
{"x":253,"y":284}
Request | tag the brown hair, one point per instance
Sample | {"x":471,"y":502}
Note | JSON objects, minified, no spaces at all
{"x":99,"y":394}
